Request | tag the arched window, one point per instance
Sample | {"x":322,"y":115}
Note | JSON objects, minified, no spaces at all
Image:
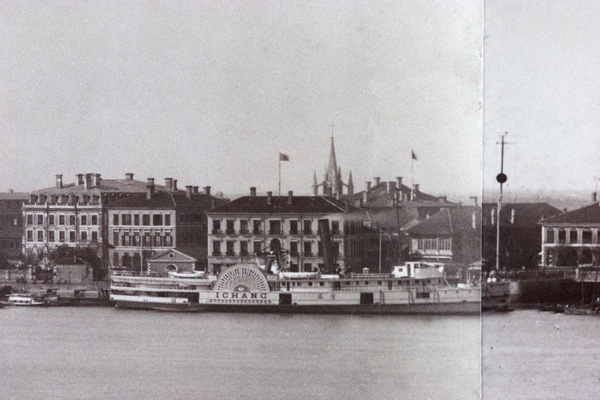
{"x":172,"y":268}
{"x":549,"y":235}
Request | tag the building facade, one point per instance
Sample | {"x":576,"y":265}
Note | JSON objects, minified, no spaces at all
{"x":145,"y":224}
{"x":244,"y":228}
{"x":74,"y":214}
{"x":571,"y":239}
{"x":452,"y":236}
{"x":11,"y":224}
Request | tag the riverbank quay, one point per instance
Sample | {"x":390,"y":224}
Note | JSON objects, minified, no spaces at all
{"x":87,"y":294}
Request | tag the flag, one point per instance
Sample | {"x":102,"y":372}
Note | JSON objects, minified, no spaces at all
{"x":414,"y":157}
{"x":284,"y":157}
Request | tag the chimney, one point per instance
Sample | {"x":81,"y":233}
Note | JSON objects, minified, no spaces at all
{"x":594,"y":197}
{"x":150,"y":189}
{"x":416,"y":187}
{"x":290,"y":196}
{"x":365,"y":197}
{"x":391,"y":187}
{"x":88,"y":181}
{"x":169,"y":183}
{"x":252,"y":191}
{"x":269,"y":198}
{"x":79,"y":179}
{"x":399,"y":181}
{"x":207,"y":190}
{"x":368,"y":186}
{"x":59,"y":182}
{"x":195,"y":189}
{"x":474,"y":198}
{"x":174,"y":187}
{"x":377,"y":179}
{"x":188,"y":191}
{"x":32,"y":199}
{"x":98,"y":180}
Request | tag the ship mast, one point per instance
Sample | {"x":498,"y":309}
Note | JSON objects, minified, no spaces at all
{"x":501,"y":178}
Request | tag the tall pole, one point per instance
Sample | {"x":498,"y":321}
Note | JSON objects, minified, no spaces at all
{"x":280,"y":174}
{"x":501,"y":178}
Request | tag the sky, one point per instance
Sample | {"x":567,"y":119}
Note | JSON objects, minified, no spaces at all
{"x":210,"y":92}
{"x":541,"y":80}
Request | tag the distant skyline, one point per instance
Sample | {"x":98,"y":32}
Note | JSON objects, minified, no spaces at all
{"x":209,"y":93}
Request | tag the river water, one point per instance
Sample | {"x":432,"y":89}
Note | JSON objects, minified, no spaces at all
{"x":107,"y":353}
{"x":528,"y":354}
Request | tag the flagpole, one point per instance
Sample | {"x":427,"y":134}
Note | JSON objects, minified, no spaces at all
{"x":279,"y":174}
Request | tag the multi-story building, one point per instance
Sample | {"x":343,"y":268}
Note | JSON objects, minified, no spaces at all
{"x":247,"y":226}
{"x":453,"y":236}
{"x":145,"y":224}
{"x":572,"y":238}
{"x":73,"y":214}
{"x":11,"y":223}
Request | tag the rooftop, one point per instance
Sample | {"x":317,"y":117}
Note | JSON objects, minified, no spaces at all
{"x":282,"y":205}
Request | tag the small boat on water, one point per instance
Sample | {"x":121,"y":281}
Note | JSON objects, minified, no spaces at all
{"x":25,"y":299}
{"x":415,"y":288}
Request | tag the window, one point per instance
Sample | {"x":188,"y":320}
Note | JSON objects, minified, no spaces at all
{"x":40,"y":219}
{"x":307,"y":248}
{"x":573,"y":235}
{"x":72,"y":220}
{"x":430,"y":244}
{"x":230,"y":248}
{"x":257,"y":247}
{"x":147,"y":240}
{"x":294,"y":249}
{"x":243,"y":226}
{"x":230,"y":225}
{"x":84,"y":236}
{"x":115,"y":238}
{"x":243,"y":248}
{"x":40,"y":236}
{"x":307,"y":267}
{"x":115,"y":259}
{"x":216,"y":248}
{"x":446,"y":244}
{"x":29,"y":219}
{"x":84,"y":220}
{"x":61,"y":236}
{"x":307,"y":227}
{"x":550,"y":235}
{"x":335,"y":227}
{"x":293,"y":227}
{"x":168,"y":239}
{"x":216,"y":226}
{"x":256,"y":227}
{"x":126,"y":219}
{"x":115,"y":219}
{"x":50,"y":219}
{"x":51,"y":236}
{"x":136,"y":219}
{"x":94,"y":219}
{"x":30,"y":236}
{"x":94,"y":236}
{"x":275,"y":227}
{"x":146,"y":219}
{"x":157,"y":219}
{"x":320,"y":249}
{"x":562,"y":235}
{"x":72,"y":236}
{"x":167,"y":219}
{"x":587,"y":236}
{"x":61,"y":219}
